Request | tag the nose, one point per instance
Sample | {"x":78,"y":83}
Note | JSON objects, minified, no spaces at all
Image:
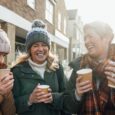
{"x":40,"y":47}
{"x":1,"y":58}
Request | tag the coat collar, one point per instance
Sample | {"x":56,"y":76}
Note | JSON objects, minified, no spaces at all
{"x":26,"y":68}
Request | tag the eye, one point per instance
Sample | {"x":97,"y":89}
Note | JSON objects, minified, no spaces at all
{"x":3,"y":54}
{"x":35,"y":45}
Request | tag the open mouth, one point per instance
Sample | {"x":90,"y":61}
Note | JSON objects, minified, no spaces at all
{"x":40,"y":55}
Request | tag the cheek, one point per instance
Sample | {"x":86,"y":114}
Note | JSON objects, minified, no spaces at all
{"x":47,"y":52}
{"x":1,"y":59}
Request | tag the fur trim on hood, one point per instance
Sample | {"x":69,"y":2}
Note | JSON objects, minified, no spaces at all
{"x":53,"y":62}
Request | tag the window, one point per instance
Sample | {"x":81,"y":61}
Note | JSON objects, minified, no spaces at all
{"x":65,"y":25}
{"x":31,"y":3}
{"x":59,"y":21}
{"x":49,"y":11}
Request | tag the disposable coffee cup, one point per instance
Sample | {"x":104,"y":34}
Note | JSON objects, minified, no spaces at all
{"x":3,"y":72}
{"x":44,"y":88}
{"x":86,"y":74}
{"x":111,"y":84}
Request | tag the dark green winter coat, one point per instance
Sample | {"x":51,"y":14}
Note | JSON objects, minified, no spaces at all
{"x":26,"y":80}
{"x":98,"y":92}
{"x":70,"y":103}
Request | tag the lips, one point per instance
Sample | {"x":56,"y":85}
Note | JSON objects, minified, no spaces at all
{"x":40,"y":55}
{"x":89,"y":47}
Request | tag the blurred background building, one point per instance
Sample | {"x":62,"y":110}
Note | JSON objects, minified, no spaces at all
{"x":64,"y":27}
{"x":75,"y":34}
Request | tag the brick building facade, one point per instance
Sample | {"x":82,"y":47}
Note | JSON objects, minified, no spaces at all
{"x":16,"y":17}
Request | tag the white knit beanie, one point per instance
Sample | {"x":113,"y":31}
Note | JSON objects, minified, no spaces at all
{"x":4,"y":42}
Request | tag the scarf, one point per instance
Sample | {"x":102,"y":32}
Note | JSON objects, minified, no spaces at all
{"x":96,"y":99}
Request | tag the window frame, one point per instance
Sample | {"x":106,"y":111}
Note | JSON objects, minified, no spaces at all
{"x":49,"y":12}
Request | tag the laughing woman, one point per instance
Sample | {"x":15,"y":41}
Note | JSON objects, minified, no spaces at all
{"x":38,"y":67}
{"x":95,"y":98}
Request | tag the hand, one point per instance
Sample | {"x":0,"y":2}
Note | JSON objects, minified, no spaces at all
{"x":110,"y":71}
{"x":38,"y":96}
{"x":82,"y":87}
{"x":6,"y":83}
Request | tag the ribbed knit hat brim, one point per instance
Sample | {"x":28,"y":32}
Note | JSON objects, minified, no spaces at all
{"x":34,"y":36}
{"x":5,"y":48}
{"x":4,"y":42}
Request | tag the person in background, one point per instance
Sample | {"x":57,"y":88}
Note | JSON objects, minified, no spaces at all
{"x":6,"y":82}
{"x":38,"y":67}
{"x":95,"y":98}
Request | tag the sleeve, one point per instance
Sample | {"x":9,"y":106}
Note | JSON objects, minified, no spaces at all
{"x":58,"y":96}
{"x":61,"y":78}
{"x":70,"y":103}
{"x":21,"y":101}
{"x":8,"y":106}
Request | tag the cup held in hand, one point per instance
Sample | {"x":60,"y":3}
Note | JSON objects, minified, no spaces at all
{"x":86,"y":74}
{"x":3,"y":72}
{"x":44,"y":88}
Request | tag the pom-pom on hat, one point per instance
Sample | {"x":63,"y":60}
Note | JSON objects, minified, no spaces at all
{"x":4,"y":42}
{"x":38,"y":23}
{"x":37,"y":34}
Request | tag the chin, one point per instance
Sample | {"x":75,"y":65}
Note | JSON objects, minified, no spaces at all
{"x":92,"y":54}
{"x":41,"y":60}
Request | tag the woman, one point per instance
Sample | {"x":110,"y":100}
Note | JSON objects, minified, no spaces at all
{"x":37,"y":67}
{"x":95,"y":98}
{"x":6,"y":82}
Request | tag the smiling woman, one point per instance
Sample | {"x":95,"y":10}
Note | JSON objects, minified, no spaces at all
{"x":38,"y":67}
{"x":95,"y":97}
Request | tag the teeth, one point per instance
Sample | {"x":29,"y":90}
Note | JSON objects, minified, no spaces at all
{"x":90,"y":47}
{"x":40,"y":54}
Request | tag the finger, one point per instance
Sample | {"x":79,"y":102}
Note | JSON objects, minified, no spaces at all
{"x":7,"y":80}
{"x":44,"y":97}
{"x":110,"y":68}
{"x":8,"y":89}
{"x":81,"y":84}
{"x":8,"y":84}
{"x":41,"y":95}
{"x":86,"y":87}
{"x":112,"y":63}
{"x":86,"y":90}
{"x":49,"y":90}
{"x":37,"y":90}
{"x":78,"y":79}
{"x":48,"y":100}
{"x":83,"y":87}
{"x":10,"y":76}
{"x":108,"y":73}
{"x":111,"y":79}
{"x":2,"y":78}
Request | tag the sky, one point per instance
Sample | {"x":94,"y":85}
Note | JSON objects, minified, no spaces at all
{"x":94,"y":10}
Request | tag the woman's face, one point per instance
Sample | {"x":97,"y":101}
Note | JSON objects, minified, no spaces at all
{"x":39,"y":52}
{"x":2,"y":55}
{"x":96,"y":45}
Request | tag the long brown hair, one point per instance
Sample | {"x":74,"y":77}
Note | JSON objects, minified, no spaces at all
{"x":53,"y":62}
